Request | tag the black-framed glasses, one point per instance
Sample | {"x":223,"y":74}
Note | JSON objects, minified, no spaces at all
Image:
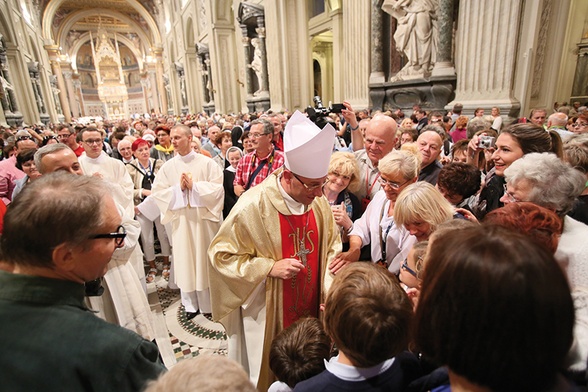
{"x":392,"y":184}
{"x":119,"y":236}
{"x":408,"y":269}
{"x":24,"y":137}
{"x":311,"y":188}
{"x":92,"y":141}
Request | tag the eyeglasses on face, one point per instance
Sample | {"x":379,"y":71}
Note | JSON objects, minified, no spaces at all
{"x":510,"y":195}
{"x":257,"y":135}
{"x":391,"y":184}
{"x":93,"y":141}
{"x":405,"y":267}
{"x":118,"y":236}
{"x":579,"y":124}
{"x":24,"y":137}
{"x":311,"y":188}
{"x":64,"y":135}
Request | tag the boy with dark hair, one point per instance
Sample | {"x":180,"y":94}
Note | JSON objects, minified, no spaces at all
{"x":298,"y":353}
{"x":368,"y":317}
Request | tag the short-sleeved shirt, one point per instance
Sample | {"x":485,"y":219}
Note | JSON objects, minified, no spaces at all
{"x":247,"y":165}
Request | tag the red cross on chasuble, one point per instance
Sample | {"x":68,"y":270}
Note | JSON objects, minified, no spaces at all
{"x":300,"y":241}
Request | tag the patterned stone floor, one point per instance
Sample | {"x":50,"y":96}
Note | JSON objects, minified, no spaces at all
{"x":188,"y":338}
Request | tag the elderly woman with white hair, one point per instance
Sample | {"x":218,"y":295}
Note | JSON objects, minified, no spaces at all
{"x":544,"y":179}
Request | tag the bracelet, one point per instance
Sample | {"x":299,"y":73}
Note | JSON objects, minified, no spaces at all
{"x":354,"y":129}
{"x":351,"y":228}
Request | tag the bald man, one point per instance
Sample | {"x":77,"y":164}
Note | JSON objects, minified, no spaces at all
{"x":557,"y":122}
{"x":380,"y":139}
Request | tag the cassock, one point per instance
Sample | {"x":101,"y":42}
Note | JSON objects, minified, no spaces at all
{"x":124,"y":301}
{"x":195,"y":215}
{"x":113,"y":171}
{"x":260,"y":230}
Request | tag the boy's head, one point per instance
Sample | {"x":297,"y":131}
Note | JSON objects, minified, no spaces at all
{"x":298,"y":352}
{"x":367,"y":314}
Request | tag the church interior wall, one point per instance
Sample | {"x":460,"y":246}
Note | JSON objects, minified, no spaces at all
{"x":576,"y":28}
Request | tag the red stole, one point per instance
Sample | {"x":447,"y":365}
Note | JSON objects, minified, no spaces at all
{"x":301,"y":293}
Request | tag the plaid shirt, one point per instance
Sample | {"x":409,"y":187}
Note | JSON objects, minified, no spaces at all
{"x":247,"y":165}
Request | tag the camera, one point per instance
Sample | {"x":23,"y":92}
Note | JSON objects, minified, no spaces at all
{"x":320,"y":110}
{"x":486,"y":142}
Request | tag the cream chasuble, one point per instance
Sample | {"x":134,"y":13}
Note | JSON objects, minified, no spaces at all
{"x":244,"y":299}
{"x":195,"y":215}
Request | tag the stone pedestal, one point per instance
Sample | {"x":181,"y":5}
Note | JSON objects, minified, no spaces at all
{"x":258,"y":104}
{"x":431,"y":94}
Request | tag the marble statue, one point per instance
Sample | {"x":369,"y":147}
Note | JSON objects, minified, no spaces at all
{"x":416,"y":35}
{"x":256,"y":64}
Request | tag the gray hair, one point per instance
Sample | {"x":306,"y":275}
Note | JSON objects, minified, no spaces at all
{"x":268,"y":127}
{"x":46,"y":150}
{"x":57,"y":208}
{"x":556,"y":185}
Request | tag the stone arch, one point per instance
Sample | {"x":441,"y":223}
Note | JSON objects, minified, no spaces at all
{"x":73,"y":18}
{"x":189,"y":37}
{"x":54,"y":5}
{"x":86,"y":37}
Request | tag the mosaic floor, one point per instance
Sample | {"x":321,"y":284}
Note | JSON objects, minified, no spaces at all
{"x":185,"y":338}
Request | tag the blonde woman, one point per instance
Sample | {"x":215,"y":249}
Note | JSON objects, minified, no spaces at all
{"x":420,"y":208}
{"x":390,"y":242}
{"x":343,"y":179}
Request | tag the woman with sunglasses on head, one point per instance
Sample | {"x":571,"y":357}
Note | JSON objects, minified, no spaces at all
{"x":390,"y":243}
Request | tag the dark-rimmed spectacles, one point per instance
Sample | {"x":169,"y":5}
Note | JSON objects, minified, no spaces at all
{"x":118,"y":236}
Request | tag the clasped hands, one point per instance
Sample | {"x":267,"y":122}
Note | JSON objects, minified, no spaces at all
{"x":186,"y":181}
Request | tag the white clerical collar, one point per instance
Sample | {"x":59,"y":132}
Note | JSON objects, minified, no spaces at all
{"x":189,"y":157}
{"x":295,"y":207}
{"x":352,"y":373}
{"x":99,"y":159}
{"x":125,"y":161}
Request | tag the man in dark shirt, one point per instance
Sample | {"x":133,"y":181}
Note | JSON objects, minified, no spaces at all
{"x":60,"y":232}
{"x":429,"y":144}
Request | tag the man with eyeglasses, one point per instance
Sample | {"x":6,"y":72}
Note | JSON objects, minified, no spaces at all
{"x":270,"y":256}
{"x":48,"y":327}
{"x":256,"y":166}
{"x":9,"y":173}
{"x":123,"y":300}
{"x":66,"y":135}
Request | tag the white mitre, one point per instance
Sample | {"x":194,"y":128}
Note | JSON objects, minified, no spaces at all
{"x":307,"y":148}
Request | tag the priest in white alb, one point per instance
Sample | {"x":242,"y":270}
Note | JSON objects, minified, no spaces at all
{"x":269,"y":260}
{"x":189,"y":192}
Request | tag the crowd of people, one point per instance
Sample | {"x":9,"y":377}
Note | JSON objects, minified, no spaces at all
{"x":363,"y":251}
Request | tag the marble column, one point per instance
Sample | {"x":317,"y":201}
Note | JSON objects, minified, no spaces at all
{"x":377,"y":74}
{"x":248,"y":79}
{"x":146,"y":86}
{"x":260,"y":30}
{"x":486,"y":54}
{"x":158,"y":52}
{"x":357,"y":75}
{"x":444,"y":64}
